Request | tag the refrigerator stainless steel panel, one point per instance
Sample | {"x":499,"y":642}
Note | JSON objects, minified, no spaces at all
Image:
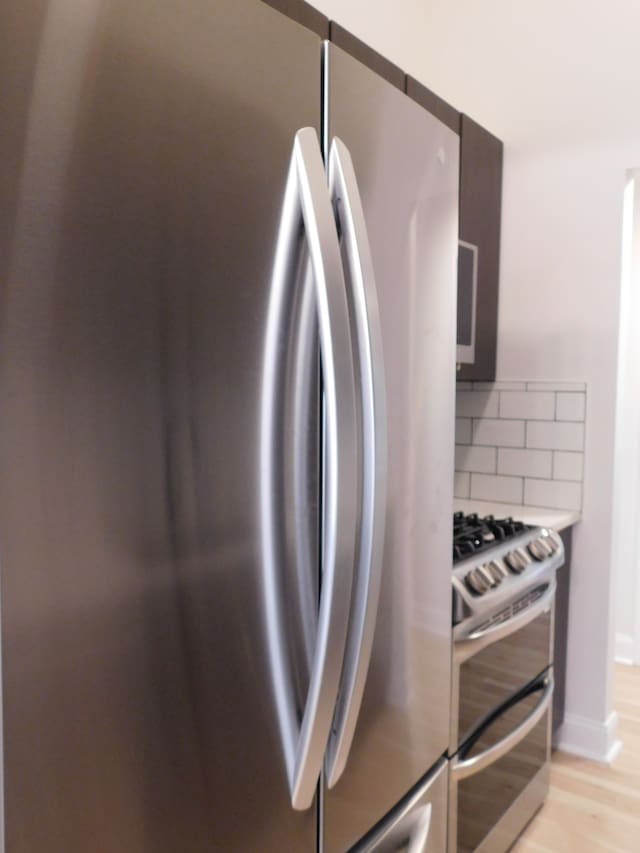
{"x":406,"y":164}
{"x":418,"y":823}
{"x":151,"y":142}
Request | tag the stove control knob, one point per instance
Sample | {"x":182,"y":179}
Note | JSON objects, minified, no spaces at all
{"x":486,"y":574}
{"x":483,"y":579}
{"x":516,"y":562}
{"x":477,"y":582}
{"x":545,"y":546}
{"x":537,"y":550}
{"x":496,"y":572}
{"x":500,"y":567}
{"x":550,"y":544}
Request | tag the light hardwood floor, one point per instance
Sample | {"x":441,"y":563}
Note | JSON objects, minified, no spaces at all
{"x":595,"y":808}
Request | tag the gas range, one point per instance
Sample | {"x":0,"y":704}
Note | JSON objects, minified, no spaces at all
{"x":501,"y":567}
{"x":502,"y":678}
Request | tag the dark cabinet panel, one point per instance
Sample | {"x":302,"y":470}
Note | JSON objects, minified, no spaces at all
{"x":480,"y":210}
{"x":561,"y":632}
{"x":304,"y":14}
{"x":434,"y":104}
{"x":367,"y":55}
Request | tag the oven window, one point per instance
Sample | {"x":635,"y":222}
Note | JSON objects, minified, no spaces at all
{"x":494,"y":674}
{"x":484,"y":798}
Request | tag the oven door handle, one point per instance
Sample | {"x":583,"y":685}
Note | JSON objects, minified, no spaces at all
{"x":464,"y":647}
{"x":469,"y":766}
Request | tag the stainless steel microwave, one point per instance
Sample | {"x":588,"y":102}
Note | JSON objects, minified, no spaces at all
{"x":467,"y":293}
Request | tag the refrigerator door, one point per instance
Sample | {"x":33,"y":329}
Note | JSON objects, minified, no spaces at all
{"x":143,"y":175}
{"x":418,"y":824}
{"x":406,"y":166}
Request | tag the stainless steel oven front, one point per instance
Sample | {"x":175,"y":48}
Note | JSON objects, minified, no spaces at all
{"x":501,"y":724}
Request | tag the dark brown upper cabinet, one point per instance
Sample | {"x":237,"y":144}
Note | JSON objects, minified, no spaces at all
{"x":433,"y":103}
{"x":480,"y":213}
{"x":304,"y":14}
{"x":366,"y":55}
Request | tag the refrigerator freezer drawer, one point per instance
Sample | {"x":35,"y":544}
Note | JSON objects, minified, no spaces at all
{"x":418,"y":824}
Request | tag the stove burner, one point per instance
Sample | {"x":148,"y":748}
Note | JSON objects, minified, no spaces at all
{"x":472,"y":534}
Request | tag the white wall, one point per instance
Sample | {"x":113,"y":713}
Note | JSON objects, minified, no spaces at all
{"x":627,"y":463}
{"x":560,"y":283}
{"x":559,"y":83}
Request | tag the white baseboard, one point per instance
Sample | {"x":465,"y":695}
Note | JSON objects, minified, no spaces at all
{"x":625,"y":648}
{"x":591,"y":739}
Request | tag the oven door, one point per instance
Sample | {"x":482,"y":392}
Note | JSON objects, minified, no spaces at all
{"x":500,"y":776}
{"x":494,"y":663}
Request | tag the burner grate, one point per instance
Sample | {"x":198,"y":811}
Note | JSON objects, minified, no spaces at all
{"x":473,"y":534}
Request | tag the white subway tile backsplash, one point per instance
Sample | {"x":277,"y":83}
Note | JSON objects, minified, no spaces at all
{"x":489,"y":487}
{"x":477,"y":404}
{"x":553,"y":493}
{"x":479,"y":459}
{"x":547,"y":435}
{"x":463,"y":430}
{"x":530,"y":405}
{"x":570,"y":406}
{"x":461,"y":484}
{"x":521,"y":441}
{"x":568,"y":466}
{"x":524,"y":463}
{"x":497,"y":433}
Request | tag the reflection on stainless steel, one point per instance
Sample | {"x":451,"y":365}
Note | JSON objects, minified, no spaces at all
{"x":68,"y":30}
{"x":496,"y":671}
{"x":307,"y":201}
{"x":510,"y":618}
{"x":489,"y":802}
{"x":461,"y":769}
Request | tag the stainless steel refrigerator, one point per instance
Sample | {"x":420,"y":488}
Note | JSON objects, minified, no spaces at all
{"x":227,"y":346}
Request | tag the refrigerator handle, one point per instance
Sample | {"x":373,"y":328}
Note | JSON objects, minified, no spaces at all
{"x":420,"y":834}
{"x":307,"y":211}
{"x":366,"y":320}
